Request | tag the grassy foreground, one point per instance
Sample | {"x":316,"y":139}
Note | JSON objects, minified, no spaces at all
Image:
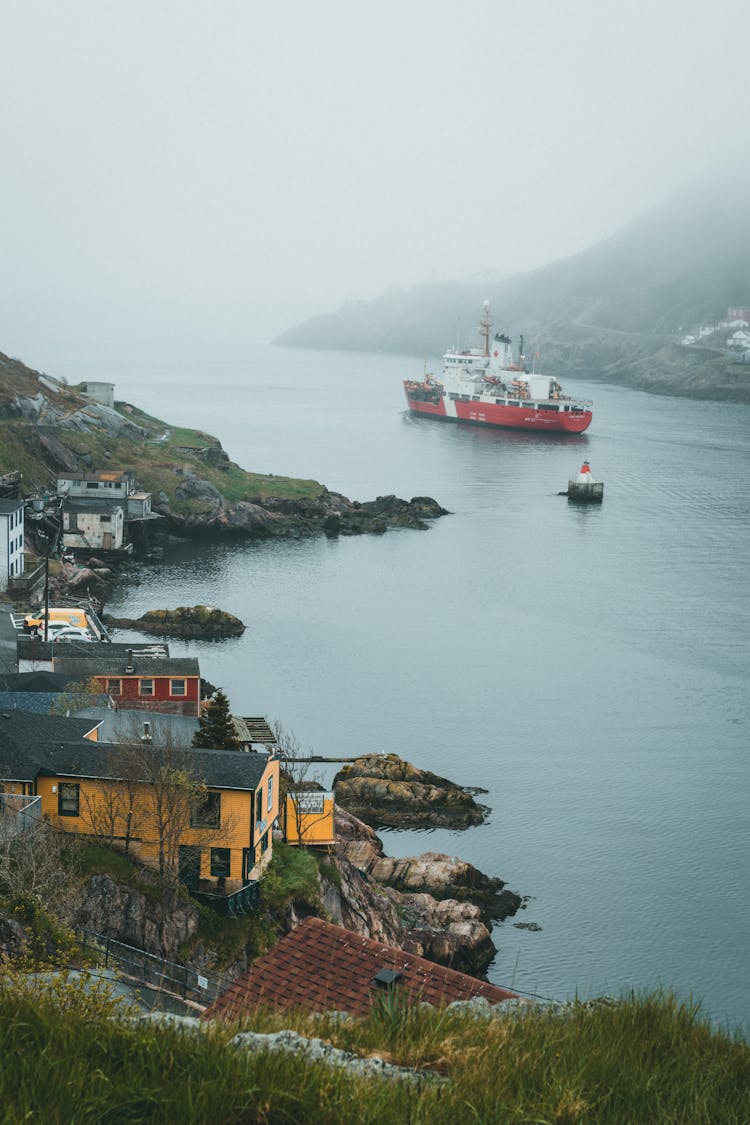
{"x":68,"y":1056}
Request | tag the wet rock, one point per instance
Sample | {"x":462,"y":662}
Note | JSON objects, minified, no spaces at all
{"x":432,"y":905}
{"x":202,"y":622}
{"x":329,"y":514}
{"x":385,"y":791}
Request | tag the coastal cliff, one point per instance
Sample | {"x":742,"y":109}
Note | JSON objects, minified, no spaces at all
{"x":197,"y":491}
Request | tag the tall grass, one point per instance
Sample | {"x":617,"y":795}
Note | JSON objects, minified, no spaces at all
{"x":68,"y":1056}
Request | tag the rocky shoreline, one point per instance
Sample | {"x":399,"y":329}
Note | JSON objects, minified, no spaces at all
{"x":330,"y":514}
{"x":434,"y":905}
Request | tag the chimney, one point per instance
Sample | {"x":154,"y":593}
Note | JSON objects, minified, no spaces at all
{"x":146,"y":736}
{"x":129,"y":666}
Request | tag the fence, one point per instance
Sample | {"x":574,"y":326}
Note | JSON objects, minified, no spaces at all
{"x":18,"y":815}
{"x":154,"y":971}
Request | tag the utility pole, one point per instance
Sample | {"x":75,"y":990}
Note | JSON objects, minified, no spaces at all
{"x":46,"y":585}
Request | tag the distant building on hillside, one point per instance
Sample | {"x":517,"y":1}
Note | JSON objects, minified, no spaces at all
{"x":103,"y":393}
{"x":11,"y":541}
{"x":97,"y":507}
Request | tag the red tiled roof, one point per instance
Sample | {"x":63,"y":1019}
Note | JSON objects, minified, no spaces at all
{"x":319,"y":967}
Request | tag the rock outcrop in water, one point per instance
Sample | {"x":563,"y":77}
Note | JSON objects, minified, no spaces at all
{"x":387,"y":792}
{"x":434,"y":905}
{"x":199,"y":622}
{"x":329,"y":514}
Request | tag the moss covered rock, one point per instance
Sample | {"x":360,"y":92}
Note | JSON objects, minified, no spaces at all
{"x":202,"y":622}
{"x":385,"y":791}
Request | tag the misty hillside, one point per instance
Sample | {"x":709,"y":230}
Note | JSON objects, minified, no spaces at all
{"x":614,"y":312}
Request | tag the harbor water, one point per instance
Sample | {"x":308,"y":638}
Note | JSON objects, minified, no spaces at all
{"x":586,"y":665}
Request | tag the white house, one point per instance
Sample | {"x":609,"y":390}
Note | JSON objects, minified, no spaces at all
{"x":109,"y":485}
{"x":93,"y":525}
{"x":740,"y":339}
{"x":11,"y":541}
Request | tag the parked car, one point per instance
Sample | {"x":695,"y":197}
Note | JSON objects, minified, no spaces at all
{"x":57,"y":616}
{"x":69,"y":633}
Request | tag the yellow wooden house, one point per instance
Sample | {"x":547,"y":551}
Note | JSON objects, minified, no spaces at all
{"x":308,"y":818}
{"x":205,"y":815}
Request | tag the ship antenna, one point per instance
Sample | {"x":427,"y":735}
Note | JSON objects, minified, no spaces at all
{"x":484,"y":327}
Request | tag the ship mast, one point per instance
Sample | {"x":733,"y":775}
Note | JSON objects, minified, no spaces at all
{"x":484,"y":328}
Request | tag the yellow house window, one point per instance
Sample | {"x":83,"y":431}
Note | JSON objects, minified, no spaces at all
{"x":221,"y":859}
{"x":177,"y":687}
{"x":146,"y":687}
{"x":68,"y":799}
{"x":270,"y":793}
{"x":206,"y":813}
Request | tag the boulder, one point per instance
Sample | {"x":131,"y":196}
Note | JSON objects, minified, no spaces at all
{"x":201,"y":622}
{"x":434,"y":905}
{"x":385,"y":791}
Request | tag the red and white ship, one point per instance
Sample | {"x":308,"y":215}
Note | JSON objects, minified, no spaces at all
{"x":485,"y":386}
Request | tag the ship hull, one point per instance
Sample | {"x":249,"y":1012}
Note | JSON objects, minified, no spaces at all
{"x":525,"y":416}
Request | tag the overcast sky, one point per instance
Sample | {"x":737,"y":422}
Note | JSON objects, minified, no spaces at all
{"x":184,"y":178}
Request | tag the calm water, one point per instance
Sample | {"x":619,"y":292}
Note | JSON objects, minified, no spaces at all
{"x":587,"y":666}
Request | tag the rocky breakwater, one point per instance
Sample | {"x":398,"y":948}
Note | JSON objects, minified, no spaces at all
{"x":386,"y":792}
{"x":329,"y":513}
{"x":200,"y":622}
{"x":433,"y":905}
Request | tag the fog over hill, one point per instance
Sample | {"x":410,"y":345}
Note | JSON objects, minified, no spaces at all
{"x":614,"y":312}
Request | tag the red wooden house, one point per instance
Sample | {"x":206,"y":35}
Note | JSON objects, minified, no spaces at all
{"x":136,"y":680}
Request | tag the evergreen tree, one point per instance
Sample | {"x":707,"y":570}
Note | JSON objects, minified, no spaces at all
{"x":216,"y":731}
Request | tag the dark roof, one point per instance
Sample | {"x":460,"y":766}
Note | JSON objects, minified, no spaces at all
{"x":8,"y":507}
{"x":50,"y":744}
{"x":41,"y":681}
{"x":103,"y":663}
{"x":24,"y":738}
{"x":321,"y":967}
{"x":33,"y":648}
{"x":218,"y":769}
{"x":41,"y":703}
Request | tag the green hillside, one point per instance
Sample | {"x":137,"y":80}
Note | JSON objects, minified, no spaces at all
{"x":46,"y":426}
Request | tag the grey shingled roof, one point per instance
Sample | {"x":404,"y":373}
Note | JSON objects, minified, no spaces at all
{"x":218,"y":769}
{"x":83,"y":667}
{"x":35,"y":682}
{"x":33,"y":648}
{"x":50,"y":744}
{"x":24,"y":737}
